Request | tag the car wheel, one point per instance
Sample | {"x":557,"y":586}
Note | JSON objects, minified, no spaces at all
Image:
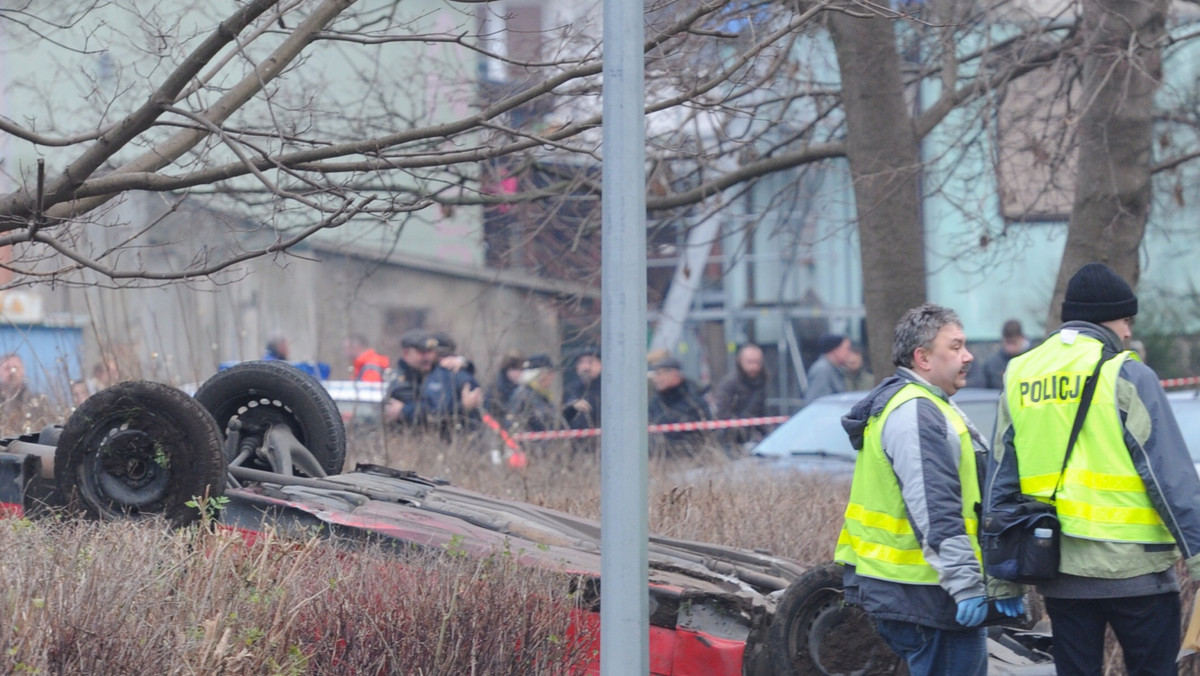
{"x":258,"y":394}
{"x":139,"y":449}
{"x":815,"y":633}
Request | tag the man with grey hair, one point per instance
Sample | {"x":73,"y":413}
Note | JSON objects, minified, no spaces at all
{"x":909,"y":543}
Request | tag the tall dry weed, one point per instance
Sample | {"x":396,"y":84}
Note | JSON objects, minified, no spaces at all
{"x":126,"y":598}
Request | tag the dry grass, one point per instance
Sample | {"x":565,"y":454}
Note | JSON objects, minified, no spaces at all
{"x":123,"y":598}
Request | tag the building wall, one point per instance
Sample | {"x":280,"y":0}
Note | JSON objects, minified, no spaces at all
{"x":316,"y":296}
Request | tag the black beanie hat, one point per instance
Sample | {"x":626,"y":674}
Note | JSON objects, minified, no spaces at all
{"x":1097,"y":294}
{"x":829,"y":342}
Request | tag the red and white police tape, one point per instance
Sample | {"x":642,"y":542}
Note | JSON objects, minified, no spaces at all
{"x":728,"y":424}
{"x":665,"y":427}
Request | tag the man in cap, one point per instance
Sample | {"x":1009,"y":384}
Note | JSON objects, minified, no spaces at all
{"x":582,"y":395}
{"x":676,"y":400}
{"x":531,"y":408}
{"x":1128,"y":498}
{"x":909,"y":543}
{"x":827,"y":375}
{"x":417,"y":354}
{"x":451,"y":395}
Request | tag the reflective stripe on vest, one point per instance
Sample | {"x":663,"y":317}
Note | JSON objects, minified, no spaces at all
{"x":877,"y":537}
{"x":1102,"y":497}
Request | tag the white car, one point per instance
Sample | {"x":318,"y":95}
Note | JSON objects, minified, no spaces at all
{"x":813,"y":438}
{"x":1185,"y":404}
{"x":359,"y":401}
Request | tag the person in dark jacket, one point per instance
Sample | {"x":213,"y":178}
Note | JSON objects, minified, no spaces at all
{"x":827,"y":375}
{"x":1127,"y":498}
{"x":676,"y":400}
{"x":581,"y":396}
{"x":742,"y":393}
{"x":991,"y":374}
{"x":450,"y":394}
{"x":508,"y":379}
{"x":404,"y":405}
{"x":531,"y":408}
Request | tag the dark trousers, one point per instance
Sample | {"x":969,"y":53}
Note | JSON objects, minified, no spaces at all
{"x":1147,"y":627}
{"x":937,"y":652}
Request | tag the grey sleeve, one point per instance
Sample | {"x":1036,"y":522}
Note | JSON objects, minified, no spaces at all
{"x":1160,"y":454}
{"x":1002,"y":477}
{"x":823,"y":379}
{"x":1002,"y":484}
{"x":925,"y":454}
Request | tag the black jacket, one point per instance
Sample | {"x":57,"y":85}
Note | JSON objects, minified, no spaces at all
{"x":589,"y":392}
{"x":682,"y":403}
{"x":740,"y":396}
{"x":529,"y":411}
{"x":406,"y":387}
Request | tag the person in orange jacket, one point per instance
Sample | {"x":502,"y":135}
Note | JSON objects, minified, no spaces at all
{"x":369,"y":365}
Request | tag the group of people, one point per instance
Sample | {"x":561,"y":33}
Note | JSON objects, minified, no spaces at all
{"x":1127,"y":496}
{"x":433,"y":387}
{"x":741,"y":393}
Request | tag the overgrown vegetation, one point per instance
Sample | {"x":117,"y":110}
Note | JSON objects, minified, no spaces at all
{"x":125,"y":598}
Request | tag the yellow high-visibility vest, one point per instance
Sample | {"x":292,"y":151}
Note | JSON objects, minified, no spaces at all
{"x":877,"y":537}
{"x":1102,"y":497}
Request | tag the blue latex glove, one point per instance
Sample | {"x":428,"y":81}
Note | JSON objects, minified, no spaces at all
{"x":972,"y":611}
{"x":1014,"y":607}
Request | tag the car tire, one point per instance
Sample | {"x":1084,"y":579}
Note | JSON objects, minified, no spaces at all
{"x":815,"y":633}
{"x":139,"y":449}
{"x":275,"y":392}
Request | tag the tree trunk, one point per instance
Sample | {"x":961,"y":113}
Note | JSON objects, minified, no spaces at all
{"x":1122,"y":70}
{"x":885,"y":163}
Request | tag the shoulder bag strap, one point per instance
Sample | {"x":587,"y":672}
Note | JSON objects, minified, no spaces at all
{"x":1085,"y":400}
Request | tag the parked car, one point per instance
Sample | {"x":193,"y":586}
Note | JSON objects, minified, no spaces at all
{"x":1185,"y":404}
{"x":813,"y":438}
{"x":359,"y":402}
